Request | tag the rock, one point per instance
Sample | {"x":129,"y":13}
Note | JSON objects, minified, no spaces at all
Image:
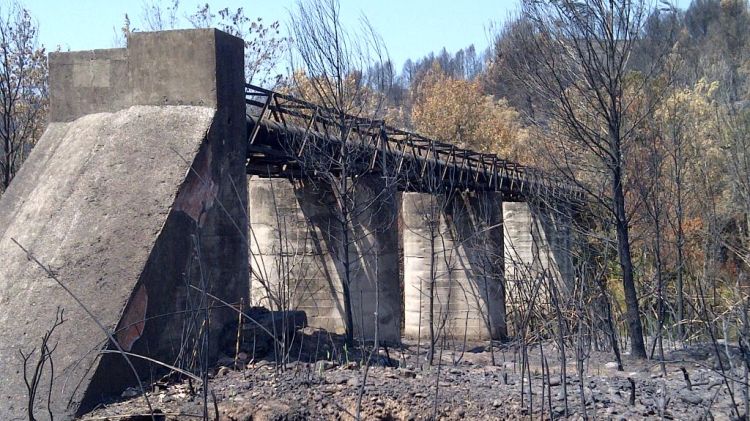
{"x":611,"y":365}
{"x":690,"y":397}
{"x":295,"y":365}
{"x":353,"y":382}
{"x":158,"y":386}
{"x":324,"y":365}
{"x":554,"y":381}
{"x":130,"y":392}
{"x":405,"y":372}
{"x":269,"y":410}
{"x":600,"y":397}
{"x":263,"y":363}
{"x":496,"y":403}
{"x":258,"y":330}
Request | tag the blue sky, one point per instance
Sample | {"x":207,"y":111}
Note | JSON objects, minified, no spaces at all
{"x":410,"y":28}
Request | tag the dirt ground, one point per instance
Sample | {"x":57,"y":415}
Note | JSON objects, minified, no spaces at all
{"x":325,"y":383}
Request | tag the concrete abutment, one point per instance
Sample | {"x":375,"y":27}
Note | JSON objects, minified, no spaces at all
{"x":135,"y":197}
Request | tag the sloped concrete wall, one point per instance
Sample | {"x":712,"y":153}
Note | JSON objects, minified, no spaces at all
{"x":129,"y":203}
{"x":296,"y":263}
{"x":452,"y":258}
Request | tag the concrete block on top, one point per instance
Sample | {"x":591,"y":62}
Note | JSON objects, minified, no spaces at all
{"x":182,"y":67}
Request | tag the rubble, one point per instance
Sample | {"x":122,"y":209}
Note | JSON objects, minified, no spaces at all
{"x":468,"y":387}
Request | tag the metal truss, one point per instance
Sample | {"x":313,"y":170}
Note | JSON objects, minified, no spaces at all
{"x":289,"y":137}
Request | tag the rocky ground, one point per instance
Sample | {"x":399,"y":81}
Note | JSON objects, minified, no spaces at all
{"x":400,"y":385}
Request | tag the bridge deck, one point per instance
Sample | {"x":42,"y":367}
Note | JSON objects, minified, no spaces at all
{"x":289,"y":137}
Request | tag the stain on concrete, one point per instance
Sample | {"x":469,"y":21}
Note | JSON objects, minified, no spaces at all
{"x":134,"y":320}
{"x":199,"y":191}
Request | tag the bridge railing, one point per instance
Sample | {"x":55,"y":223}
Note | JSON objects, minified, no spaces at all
{"x":408,"y":152}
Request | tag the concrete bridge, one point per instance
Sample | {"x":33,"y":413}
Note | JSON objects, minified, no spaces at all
{"x":164,"y":187}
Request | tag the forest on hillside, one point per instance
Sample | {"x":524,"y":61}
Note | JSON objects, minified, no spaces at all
{"x":645,"y":107}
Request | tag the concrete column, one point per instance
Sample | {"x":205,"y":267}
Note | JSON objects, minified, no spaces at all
{"x":537,"y":251}
{"x":290,"y":262}
{"x":453,"y":258}
{"x":296,"y":262}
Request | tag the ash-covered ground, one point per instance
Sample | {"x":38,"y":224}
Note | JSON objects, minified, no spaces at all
{"x":325,"y":382}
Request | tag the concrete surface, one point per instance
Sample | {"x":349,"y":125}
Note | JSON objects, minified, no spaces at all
{"x":128,"y":204}
{"x":452,"y":249}
{"x":296,"y":262}
{"x":537,"y":253}
{"x":158,"y":68}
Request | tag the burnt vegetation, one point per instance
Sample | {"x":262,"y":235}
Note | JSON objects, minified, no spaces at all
{"x":639,"y":109}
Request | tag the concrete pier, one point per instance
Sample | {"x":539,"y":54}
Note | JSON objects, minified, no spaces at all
{"x":452,"y":249}
{"x":296,"y":242}
{"x":537,"y":253}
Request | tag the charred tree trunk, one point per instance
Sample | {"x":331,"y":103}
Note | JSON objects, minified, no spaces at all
{"x":637,"y":346}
